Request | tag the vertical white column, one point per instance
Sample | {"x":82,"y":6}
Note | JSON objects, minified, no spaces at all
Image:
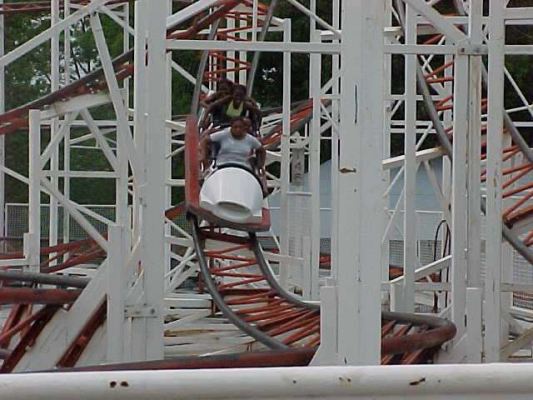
{"x":409,"y":218}
{"x":459,"y":193}
{"x":168,"y":146}
{"x":474,"y":348}
{"x":360,"y":200}
{"x":153,"y":235}
{"x":492,"y":312}
{"x":123,"y":210}
{"x":2,"y":138}
{"x":54,"y":126}
{"x":137,"y":326}
{"x":255,"y":5}
{"x":444,"y":298}
{"x":33,"y":238}
{"x":139,"y":103}
{"x":126,"y":46}
{"x":242,"y":54}
{"x":387,"y":81}
{"x":314,"y":167}
{"x":335,"y":113}
{"x":116,"y":293}
{"x":230,"y":64}
{"x":506,"y":298}
{"x":66,"y":142}
{"x":285,"y":156}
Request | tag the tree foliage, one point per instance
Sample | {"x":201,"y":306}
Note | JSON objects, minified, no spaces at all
{"x":29,"y":78}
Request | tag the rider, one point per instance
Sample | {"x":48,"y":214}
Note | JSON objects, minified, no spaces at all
{"x":224,"y":88}
{"x":224,"y":91}
{"x":236,"y":105}
{"x":236,"y":146}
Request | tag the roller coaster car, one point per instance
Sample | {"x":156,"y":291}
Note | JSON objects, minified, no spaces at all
{"x":231,"y":196}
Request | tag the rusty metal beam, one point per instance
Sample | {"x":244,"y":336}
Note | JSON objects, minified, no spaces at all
{"x":48,"y":279}
{"x":280,"y":358}
{"x":37,"y":296}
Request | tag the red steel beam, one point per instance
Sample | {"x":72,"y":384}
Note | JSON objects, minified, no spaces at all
{"x":37,"y":296}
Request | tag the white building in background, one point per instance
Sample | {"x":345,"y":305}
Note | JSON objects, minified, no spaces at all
{"x":426,"y":203}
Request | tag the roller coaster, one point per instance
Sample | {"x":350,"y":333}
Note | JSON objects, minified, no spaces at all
{"x":59,"y":321}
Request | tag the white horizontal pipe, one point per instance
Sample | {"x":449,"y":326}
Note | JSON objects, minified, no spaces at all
{"x":276,"y":47}
{"x":486,"y":381}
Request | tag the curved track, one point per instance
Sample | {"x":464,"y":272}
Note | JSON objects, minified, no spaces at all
{"x":516,"y":178}
{"x":246,"y":292}
{"x":243,"y":286}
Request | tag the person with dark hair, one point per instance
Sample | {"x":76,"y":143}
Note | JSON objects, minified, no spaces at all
{"x":235,"y":147}
{"x":249,"y":126}
{"x":236,"y":105}
{"x":224,"y":89}
{"x":215,"y":111}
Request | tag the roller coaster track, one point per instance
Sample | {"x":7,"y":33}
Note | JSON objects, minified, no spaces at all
{"x":94,"y":82}
{"x":517,"y":216}
{"x":233,"y":267}
{"x":246,"y":292}
{"x":24,"y":323}
{"x":42,"y":6}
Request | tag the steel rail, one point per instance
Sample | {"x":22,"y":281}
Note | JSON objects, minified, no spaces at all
{"x":446,"y":143}
{"x":219,"y":299}
{"x":269,"y":312}
{"x":48,"y":279}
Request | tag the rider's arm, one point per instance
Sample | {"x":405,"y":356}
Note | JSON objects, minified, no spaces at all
{"x":254,"y":113}
{"x":204,"y":151}
{"x":207,"y":101}
{"x":261,"y":156}
{"x":210,"y":109}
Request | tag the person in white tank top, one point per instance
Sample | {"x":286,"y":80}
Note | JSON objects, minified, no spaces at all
{"x":236,"y":146}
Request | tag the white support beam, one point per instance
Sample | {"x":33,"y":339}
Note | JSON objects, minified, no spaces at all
{"x":2,"y":137}
{"x":454,"y":382}
{"x":493,"y":234}
{"x":75,"y":104}
{"x":100,"y":139}
{"x":189,"y":12}
{"x":421,"y":156}
{"x":46,"y":35}
{"x":335,"y":134}
{"x":116,"y":294}
{"x":428,"y":269}
{"x":459,"y":193}
{"x":56,"y":133}
{"x":315,"y":18}
{"x":285,"y":156}
{"x":66,"y":143}
{"x":410,"y":259}
{"x":438,"y":20}
{"x":314,"y":167}
{"x":50,"y":153}
{"x":475,"y":287}
{"x":32,"y":241}
{"x":116,"y":97}
{"x":275,"y":47}
{"x":519,"y":13}
{"x":359,"y":199}
{"x":152,"y":195}
{"x":76,"y":214}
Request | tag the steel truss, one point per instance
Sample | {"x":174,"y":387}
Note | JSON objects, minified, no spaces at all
{"x":131,"y":309}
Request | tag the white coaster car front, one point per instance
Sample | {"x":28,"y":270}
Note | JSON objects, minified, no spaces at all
{"x":233,"y":194}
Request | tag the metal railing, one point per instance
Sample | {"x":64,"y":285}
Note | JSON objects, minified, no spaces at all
{"x":465,"y":382}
